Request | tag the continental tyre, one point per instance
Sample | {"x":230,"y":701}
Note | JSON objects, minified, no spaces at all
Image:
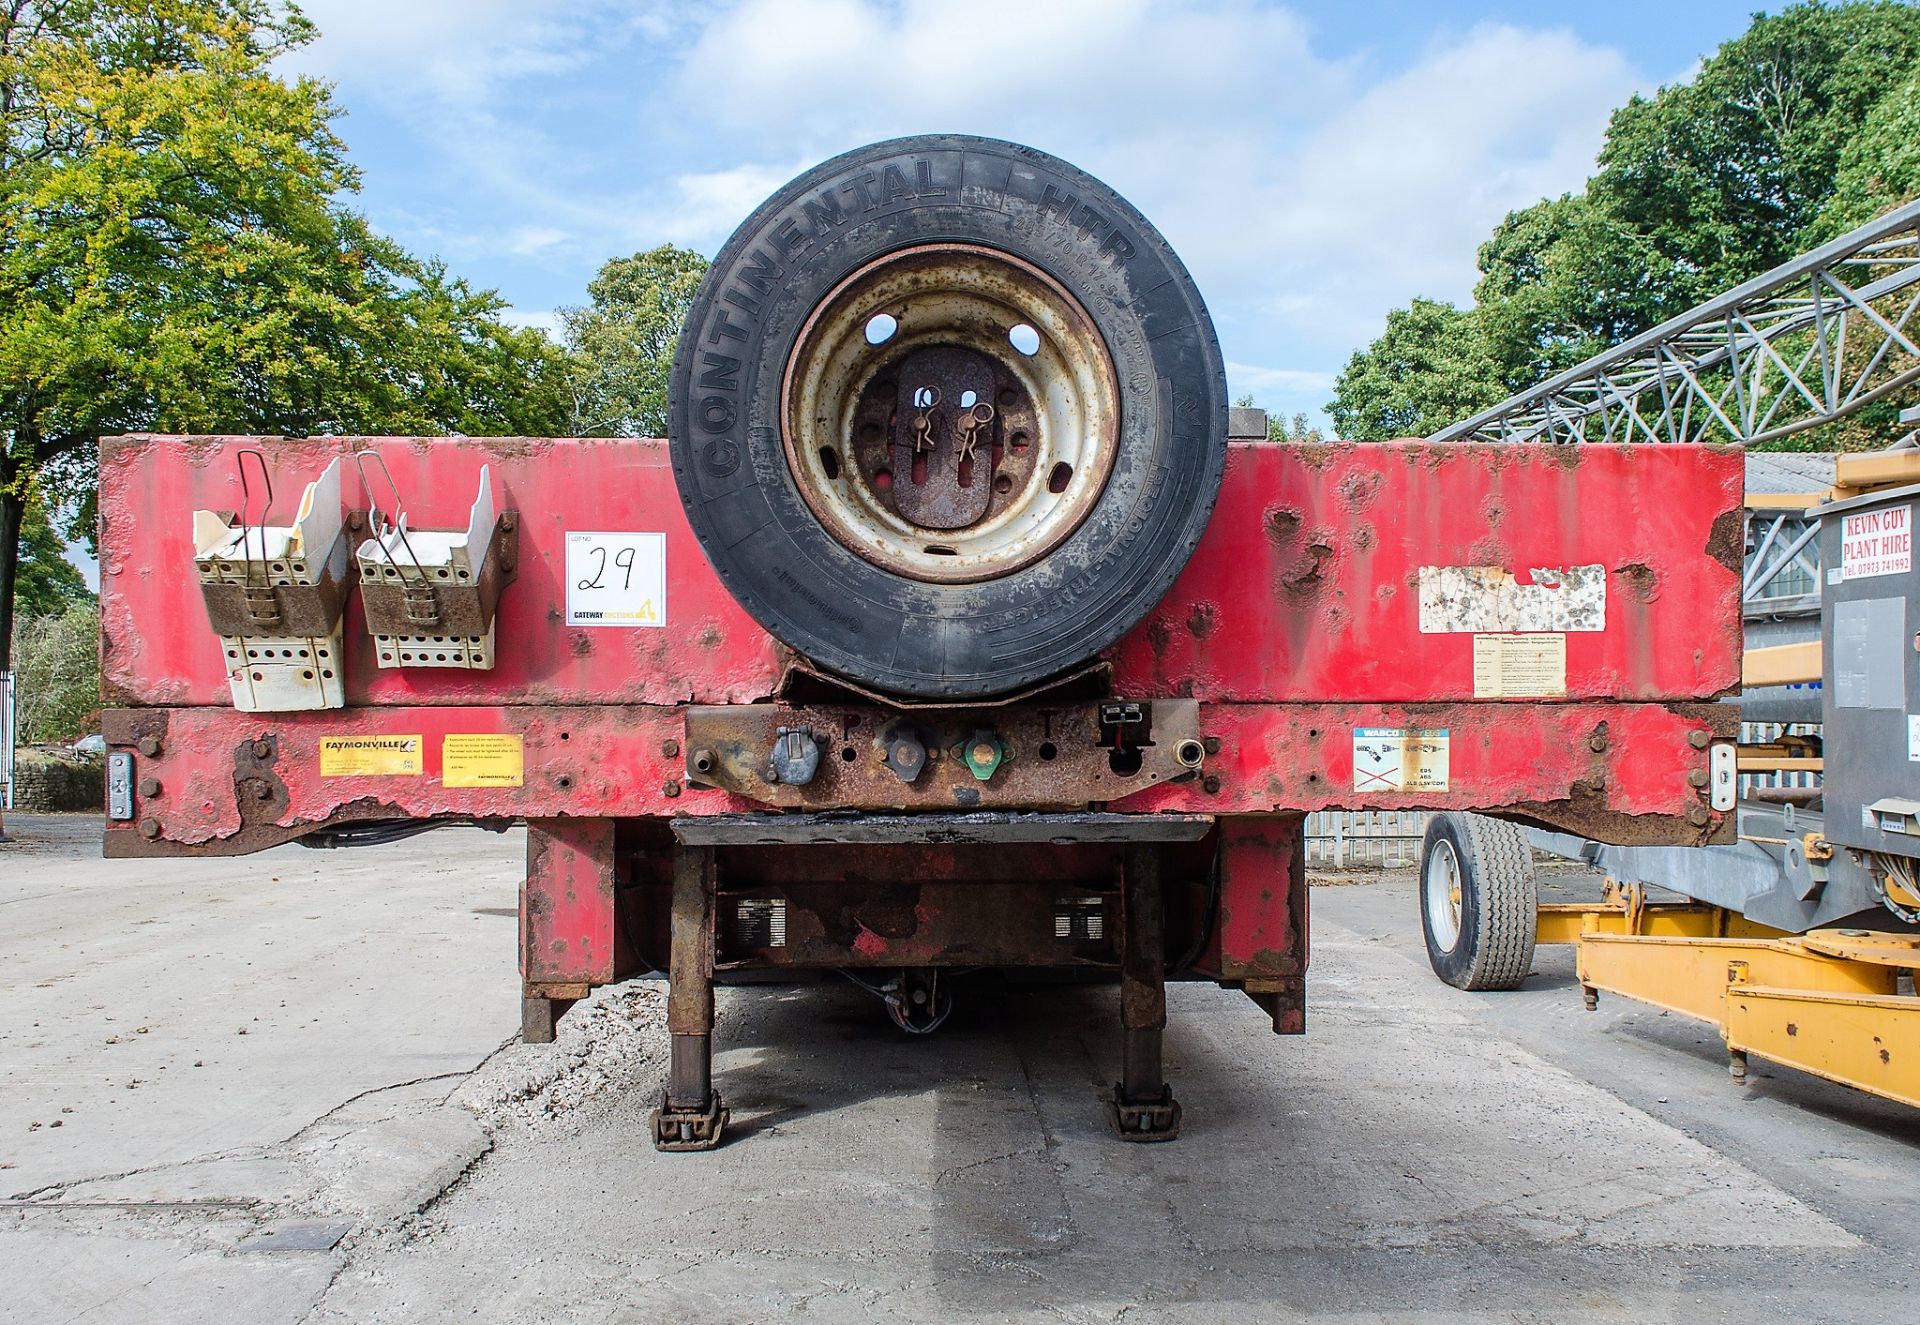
{"x":1478,"y":901}
{"x":947,"y":416}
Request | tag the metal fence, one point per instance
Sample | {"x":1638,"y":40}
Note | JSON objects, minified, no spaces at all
{"x":1759,"y":733}
{"x":1366,"y":839}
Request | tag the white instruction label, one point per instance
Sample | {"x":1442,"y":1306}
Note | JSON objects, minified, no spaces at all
{"x":1876,"y":543}
{"x":1400,"y":758}
{"x":616,"y":579}
{"x":1913,"y":738}
{"x":1520,"y":666}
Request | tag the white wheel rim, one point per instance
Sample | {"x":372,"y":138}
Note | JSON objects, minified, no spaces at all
{"x":1443,"y":887}
{"x":974,"y":299}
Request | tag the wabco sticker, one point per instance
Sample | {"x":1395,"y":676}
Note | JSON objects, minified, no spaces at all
{"x":1471,"y":599}
{"x":483,"y":759}
{"x":616,"y":579}
{"x":1876,"y":543}
{"x":370,"y":756}
{"x":1400,"y":758}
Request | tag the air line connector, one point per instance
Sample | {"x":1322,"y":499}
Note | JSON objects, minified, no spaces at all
{"x":983,"y":753}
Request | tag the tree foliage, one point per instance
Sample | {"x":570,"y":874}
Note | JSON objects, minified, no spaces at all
{"x":1432,"y":363}
{"x":174,"y":257}
{"x":46,"y":583}
{"x":1805,"y":125}
{"x":57,"y":674}
{"x":623,"y":341}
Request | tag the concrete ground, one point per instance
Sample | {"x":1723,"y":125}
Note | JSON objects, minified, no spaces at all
{"x":288,"y":1088}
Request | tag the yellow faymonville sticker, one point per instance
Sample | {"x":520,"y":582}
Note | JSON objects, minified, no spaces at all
{"x":370,"y":756}
{"x":483,"y":759}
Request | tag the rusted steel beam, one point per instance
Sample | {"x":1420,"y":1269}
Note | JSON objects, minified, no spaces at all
{"x":1261,"y":927}
{"x":567,"y":933}
{"x":229,"y":782}
{"x":690,"y":976}
{"x":904,"y":919}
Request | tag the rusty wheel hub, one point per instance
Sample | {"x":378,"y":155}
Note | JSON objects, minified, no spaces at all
{"x":951,"y":413}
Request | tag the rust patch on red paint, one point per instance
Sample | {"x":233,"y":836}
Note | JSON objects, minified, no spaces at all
{"x":1640,"y":580}
{"x":1727,"y":540}
{"x":1304,"y":575}
{"x":1282,"y":524}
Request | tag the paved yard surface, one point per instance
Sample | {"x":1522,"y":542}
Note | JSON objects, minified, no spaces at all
{"x":288,"y":1088}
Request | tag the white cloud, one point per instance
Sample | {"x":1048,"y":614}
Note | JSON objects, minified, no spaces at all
{"x":1300,"y":191}
{"x":530,"y":239}
{"x":1253,"y":377}
{"x":1309,"y":192}
{"x":547,"y":320}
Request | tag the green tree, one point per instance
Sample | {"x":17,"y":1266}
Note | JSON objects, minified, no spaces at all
{"x":57,"y":674}
{"x":1880,"y":166}
{"x":46,"y":583}
{"x":174,"y":257}
{"x":622,"y":342}
{"x":1431,"y":367}
{"x":1800,"y":127}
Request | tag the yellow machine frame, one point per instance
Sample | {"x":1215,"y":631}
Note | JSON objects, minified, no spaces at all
{"x":1828,"y":1002}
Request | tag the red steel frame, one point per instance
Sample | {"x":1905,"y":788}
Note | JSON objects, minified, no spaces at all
{"x":1295,"y":622}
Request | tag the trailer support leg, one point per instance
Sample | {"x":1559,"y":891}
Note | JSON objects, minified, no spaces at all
{"x":540,"y":1017}
{"x":691,"y":1115}
{"x":1143,"y":1105}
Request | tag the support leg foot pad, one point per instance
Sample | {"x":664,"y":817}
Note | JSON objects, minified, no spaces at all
{"x":1153,"y":1119}
{"x":677,"y":1129}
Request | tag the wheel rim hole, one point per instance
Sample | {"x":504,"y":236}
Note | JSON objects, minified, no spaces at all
{"x":1003,"y":484}
{"x":1059,"y":477}
{"x":1024,"y":339}
{"x":830,"y":461}
{"x":880,"y":328}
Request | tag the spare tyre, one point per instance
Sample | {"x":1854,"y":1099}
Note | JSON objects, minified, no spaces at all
{"x":948,"y":416}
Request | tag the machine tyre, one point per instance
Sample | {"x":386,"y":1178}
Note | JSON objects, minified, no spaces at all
{"x":1077,"y":593}
{"x":1478,"y":901}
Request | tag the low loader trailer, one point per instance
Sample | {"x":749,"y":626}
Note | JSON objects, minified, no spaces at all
{"x":955,"y":626}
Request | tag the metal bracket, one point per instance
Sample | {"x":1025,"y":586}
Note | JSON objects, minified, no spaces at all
{"x":274,"y":593}
{"x":431,"y":597}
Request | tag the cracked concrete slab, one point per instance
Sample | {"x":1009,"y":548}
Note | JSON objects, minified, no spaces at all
{"x":1421,"y":1155}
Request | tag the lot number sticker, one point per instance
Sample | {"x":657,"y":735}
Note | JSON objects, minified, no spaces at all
{"x":616,"y":579}
{"x":1876,"y":543}
{"x":1400,"y":758}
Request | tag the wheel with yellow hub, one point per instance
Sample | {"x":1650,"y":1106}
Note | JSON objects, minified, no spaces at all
{"x":948,"y":416}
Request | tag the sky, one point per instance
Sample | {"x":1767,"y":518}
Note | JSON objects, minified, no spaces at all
{"x":1314,"y":164}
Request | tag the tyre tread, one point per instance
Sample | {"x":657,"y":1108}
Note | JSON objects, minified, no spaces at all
{"x":1499,"y":868}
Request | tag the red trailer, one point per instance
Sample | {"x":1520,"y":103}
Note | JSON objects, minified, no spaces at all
{"x":915,"y":650}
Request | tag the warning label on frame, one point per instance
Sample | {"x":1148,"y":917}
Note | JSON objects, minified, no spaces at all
{"x":1400,"y":758}
{"x":1876,"y":543}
